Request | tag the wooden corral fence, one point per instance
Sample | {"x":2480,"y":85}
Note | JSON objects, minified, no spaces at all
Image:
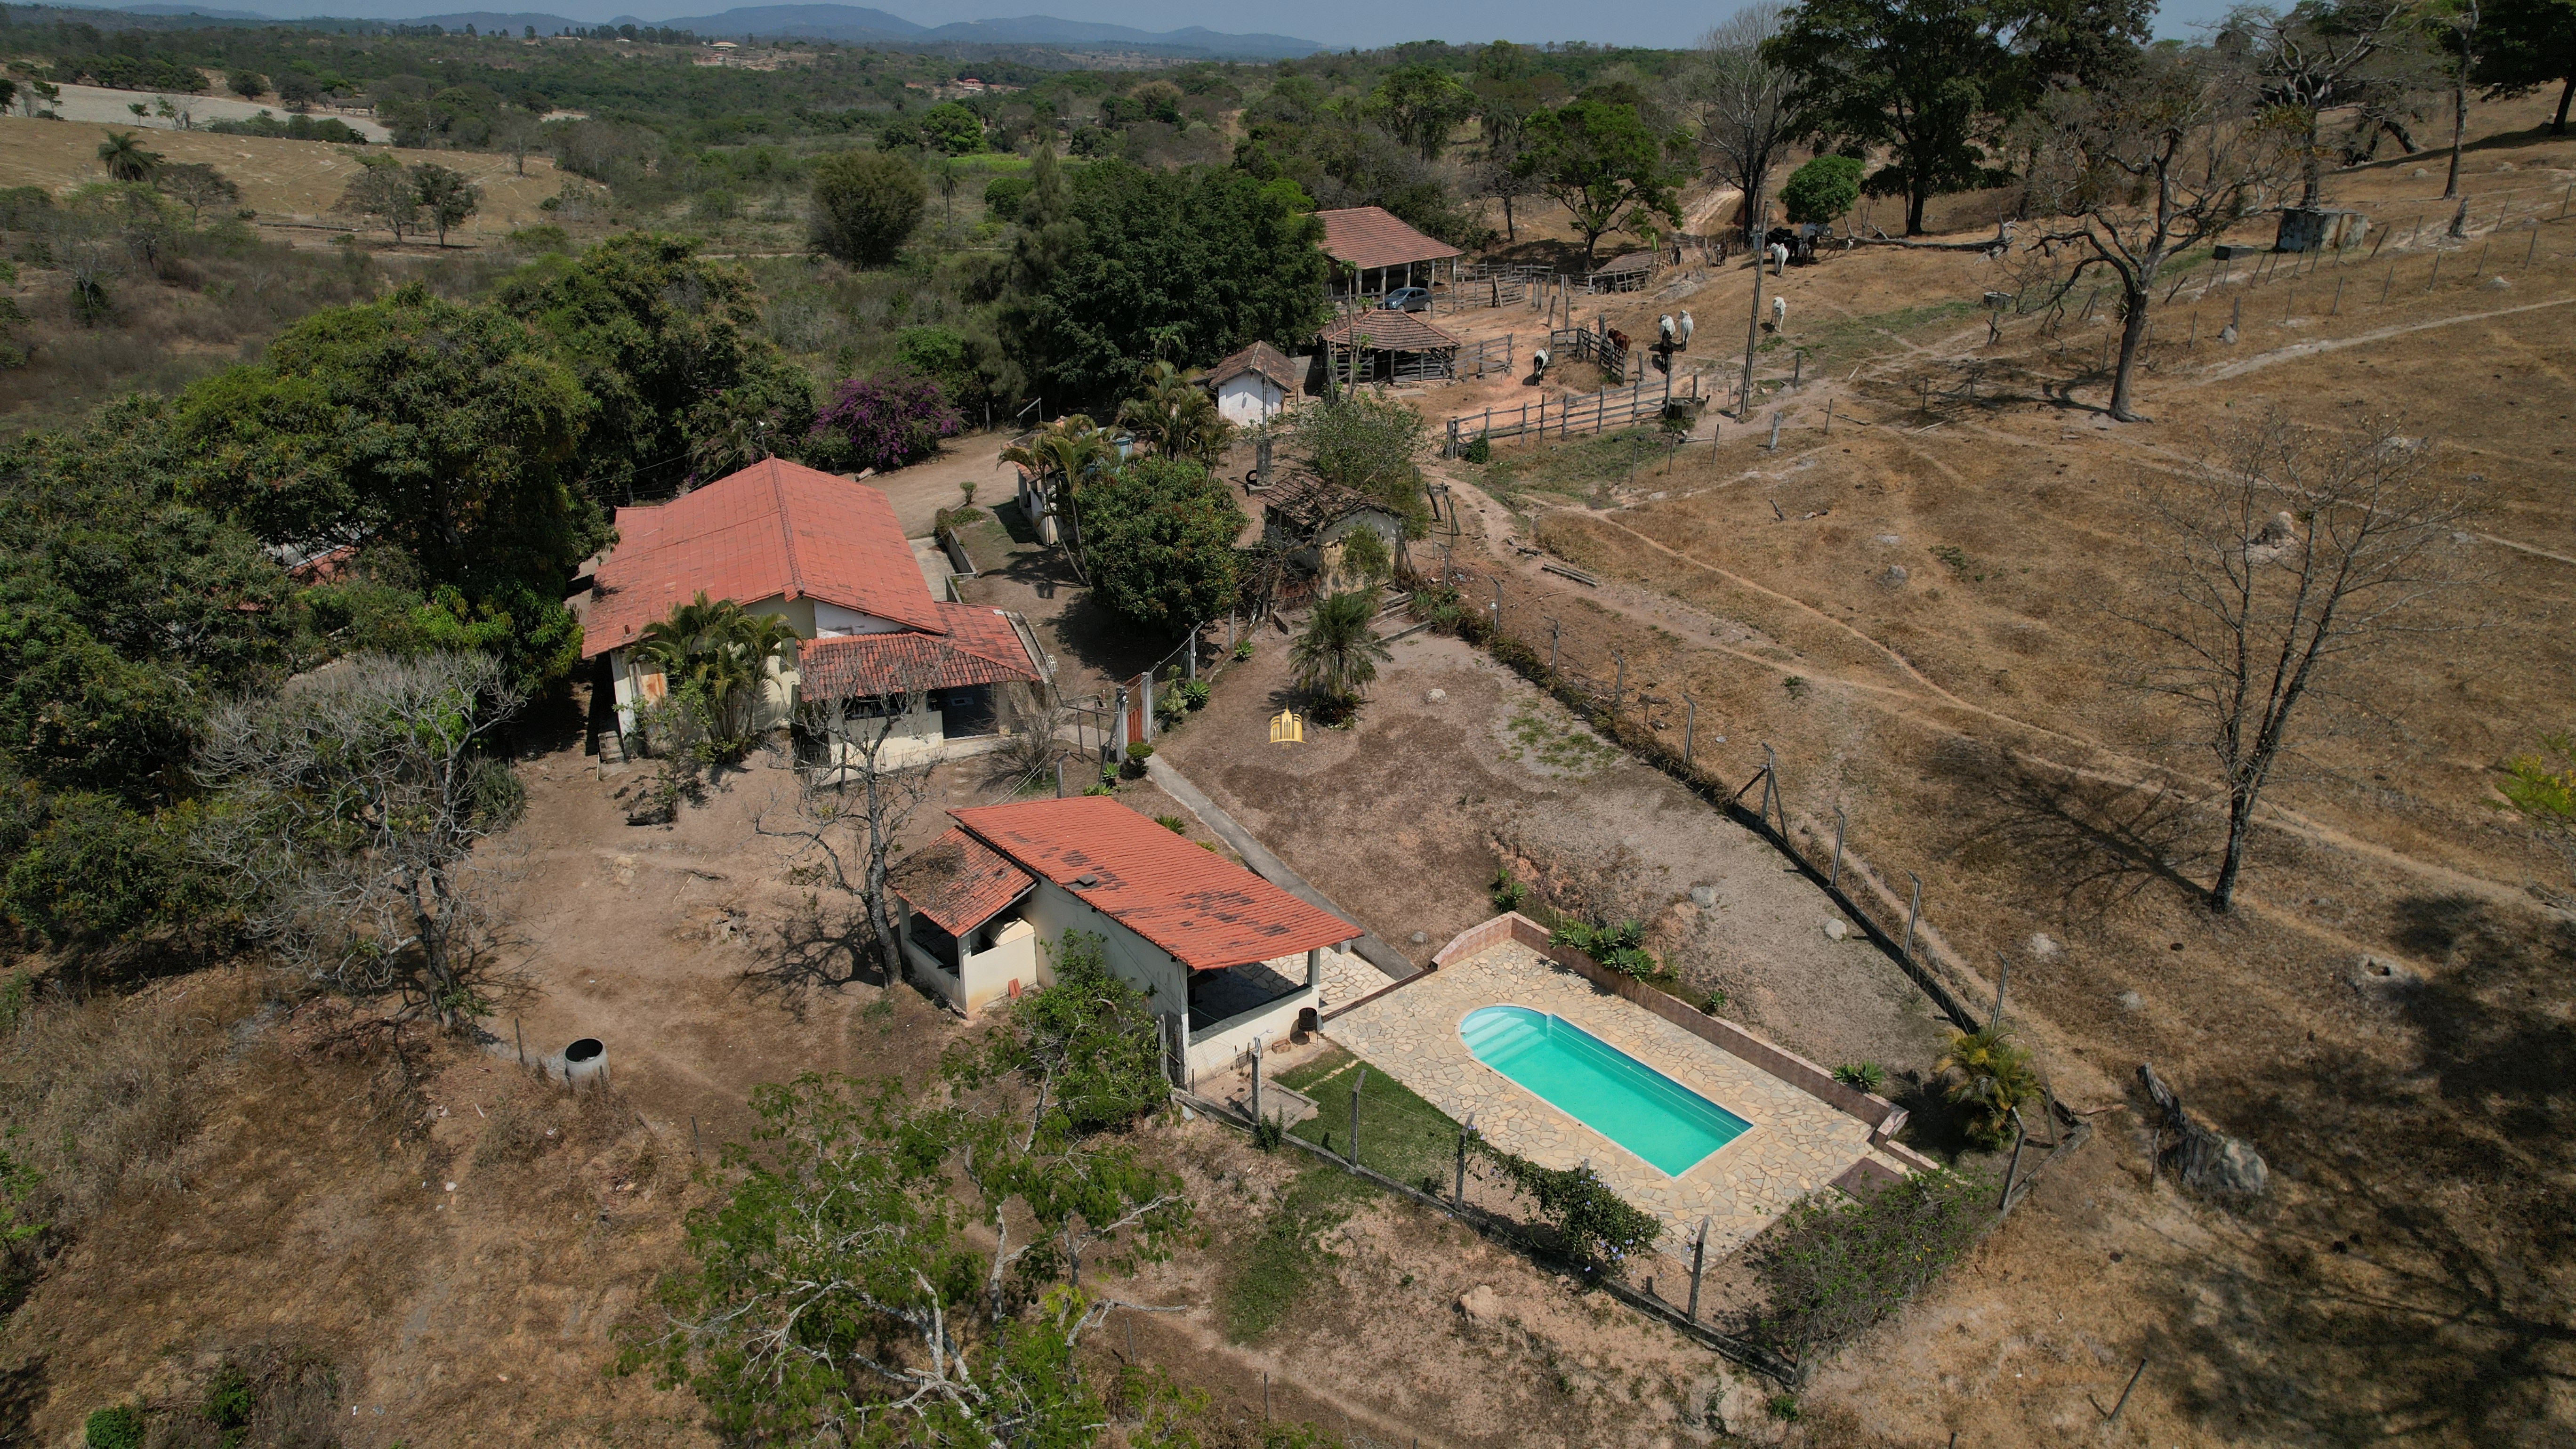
{"x":1516,"y":285}
{"x":1612,"y":407}
{"x":1491,"y":354}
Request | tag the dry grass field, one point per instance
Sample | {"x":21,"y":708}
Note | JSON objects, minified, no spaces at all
{"x":289,"y":183}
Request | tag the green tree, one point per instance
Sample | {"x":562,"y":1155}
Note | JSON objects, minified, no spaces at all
{"x":670,"y":347}
{"x":448,"y":431}
{"x":1160,"y":540}
{"x":1821,"y":191}
{"x":250,"y":85}
{"x":1339,"y":652}
{"x":384,"y":193}
{"x":718,"y":652}
{"x":2542,"y":787}
{"x":2532,"y":44}
{"x":446,"y":197}
{"x":1176,"y":415}
{"x":1088,"y":1047}
{"x":1991,"y":1078}
{"x":1421,"y":105}
{"x":1601,"y":162}
{"x":896,"y":1273}
{"x":1065,"y":457}
{"x":125,"y":158}
{"x":867,"y":204}
{"x":196,"y":186}
{"x":1372,"y":445}
{"x":952,"y":128}
{"x":1922,"y":78}
{"x":1203,"y":260}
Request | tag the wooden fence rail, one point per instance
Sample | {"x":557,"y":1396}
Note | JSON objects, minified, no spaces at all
{"x":1614,"y":407}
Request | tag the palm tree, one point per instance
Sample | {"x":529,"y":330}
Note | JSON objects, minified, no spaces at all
{"x":1993,"y":1078}
{"x":1339,"y":653}
{"x":1176,"y":415}
{"x":1062,"y":457}
{"x":125,"y":159}
{"x":717,"y":652}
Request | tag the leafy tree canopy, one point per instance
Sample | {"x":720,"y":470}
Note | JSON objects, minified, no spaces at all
{"x":1599,"y":160}
{"x":1922,"y":78}
{"x":1821,"y":191}
{"x":866,"y":205}
{"x":1160,"y":535}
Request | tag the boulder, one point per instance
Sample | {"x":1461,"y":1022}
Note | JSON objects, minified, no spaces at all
{"x":1836,"y":931}
{"x":2043,"y":948}
{"x":1704,"y":897}
{"x":1895,"y":576}
{"x":2132,"y":1001}
{"x":2201,"y":1158}
{"x":1478,"y":1305}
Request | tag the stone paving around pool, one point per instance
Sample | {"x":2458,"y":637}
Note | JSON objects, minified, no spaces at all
{"x":1796,"y":1145}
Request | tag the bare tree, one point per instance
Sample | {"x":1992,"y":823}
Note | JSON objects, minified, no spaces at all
{"x":2287,"y":549}
{"x":1745,"y":120}
{"x":352,"y":801}
{"x":855,"y":792}
{"x":2151,"y":164}
{"x":2315,"y":57}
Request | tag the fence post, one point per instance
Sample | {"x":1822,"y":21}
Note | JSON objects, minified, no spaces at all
{"x":1460,"y":1196}
{"x":1775,"y":432}
{"x":1190,"y":654}
{"x":1913,"y":912}
{"x":1256,"y":1081}
{"x":1551,"y":651}
{"x":1618,"y":684}
{"x":2021,"y":1134}
{"x":1699,"y":1261}
{"x":1773,"y":801}
{"x":1356,"y":1081}
{"x":1834,"y":881}
{"x":1690,"y":721}
{"x":1498,"y":603}
{"x":1059,"y":778}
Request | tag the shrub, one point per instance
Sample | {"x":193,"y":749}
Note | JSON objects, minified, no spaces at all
{"x":1862,"y":1077}
{"x":1990,"y":1077}
{"x":1196,"y":693}
{"x":1267,"y":1134}
{"x":1158,"y":543}
{"x":886,"y":422}
{"x":1822,"y":190}
{"x":1621,"y":948}
{"x":120,"y":1426}
{"x":1242,"y":648}
{"x":866,"y":206}
{"x":1834,"y":1265}
{"x":1137,"y":754}
{"x":1171,"y":707}
{"x":1004,"y":196}
{"x":1173,"y":823}
{"x":1507,"y":892}
{"x":1594,"y":1225}
{"x":1480,"y":450}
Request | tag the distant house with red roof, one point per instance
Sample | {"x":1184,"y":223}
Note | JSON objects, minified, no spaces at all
{"x":1376,"y":252}
{"x":1221,"y":953}
{"x":826,"y":555}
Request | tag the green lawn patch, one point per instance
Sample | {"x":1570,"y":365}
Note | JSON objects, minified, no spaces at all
{"x":1401,"y":1135}
{"x":1284,"y":1262}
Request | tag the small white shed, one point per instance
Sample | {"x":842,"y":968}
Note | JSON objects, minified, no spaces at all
{"x":1256,"y":384}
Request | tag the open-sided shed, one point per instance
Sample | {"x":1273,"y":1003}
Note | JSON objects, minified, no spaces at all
{"x":1376,"y":252}
{"x":1392,"y":346}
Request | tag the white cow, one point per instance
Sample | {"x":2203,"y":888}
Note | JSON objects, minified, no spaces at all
{"x":1779,"y":255}
{"x":1664,"y":329}
{"x":1779,"y":313}
{"x":1538,"y":363}
{"x":1685,"y":331}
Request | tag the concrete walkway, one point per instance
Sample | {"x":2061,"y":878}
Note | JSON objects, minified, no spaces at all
{"x":1270,"y":867}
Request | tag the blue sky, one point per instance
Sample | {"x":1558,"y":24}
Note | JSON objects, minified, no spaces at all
{"x":1336,"y":23}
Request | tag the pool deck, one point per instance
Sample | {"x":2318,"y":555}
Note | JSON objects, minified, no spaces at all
{"x":1796,"y":1144}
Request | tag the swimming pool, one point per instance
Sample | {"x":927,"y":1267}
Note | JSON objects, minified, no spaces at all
{"x":1600,"y":1086}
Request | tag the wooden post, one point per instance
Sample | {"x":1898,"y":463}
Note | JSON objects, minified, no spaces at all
{"x":2391,"y":282}
{"x":1797,"y":367}
{"x":2430,"y":281}
{"x":1913,"y":912}
{"x":521,"y":1039}
{"x":1618,"y":682}
{"x":1829,"y":417}
{"x":2532,"y":250}
{"x":1775,"y":432}
{"x":1834,"y":881}
{"x":1551,"y":650}
{"x":1690,"y":721}
{"x":1699,"y":1262}
{"x":2337,"y":305}
{"x":2003,"y":973}
{"x":1356,"y":1081}
{"x":1498,"y":603}
{"x":1256,"y":1079}
{"x":2021,"y":1134}
{"x":1460,"y":1196}
{"x":2124,"y":1392}
{"x":1059,"y":779}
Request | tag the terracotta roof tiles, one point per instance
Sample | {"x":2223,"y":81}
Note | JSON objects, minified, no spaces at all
{"x":958,"y":882}
{"x":980,"y":647}
{"x":1370,"y":236}
{"x":1208,"y":912}
{"x":1389,"y":330}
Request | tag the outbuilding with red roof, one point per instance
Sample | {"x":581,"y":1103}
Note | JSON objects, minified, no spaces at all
{"x":1223,"y":954}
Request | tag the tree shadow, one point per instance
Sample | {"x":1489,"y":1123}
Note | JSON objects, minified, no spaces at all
{"x":814,"y":950}
{"x":2415,"y":1286}
{"x":2102,"y":840}
{"x":23,"y":1389}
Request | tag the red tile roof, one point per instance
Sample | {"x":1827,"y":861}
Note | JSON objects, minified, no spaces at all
{"x":1370,"y":236}
{"x":981,"y":648}
{"x":958,"y":882}
{"x":775,"y":528}
{"x":1208,"y":912}
{"x":1262,"y":358}
{"x":1389,"y":330}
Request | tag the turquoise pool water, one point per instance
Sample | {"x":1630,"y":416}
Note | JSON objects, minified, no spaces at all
{"x":1600,"y":1086}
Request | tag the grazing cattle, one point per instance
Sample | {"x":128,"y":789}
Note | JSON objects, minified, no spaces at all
{"x":1664,"y":329}
{"x":1684,"y":331}
{"x":1619,"y":341}
{"x":1538,"y":364}
{"x":1779,"y":259}
{"x":1779,"y":313}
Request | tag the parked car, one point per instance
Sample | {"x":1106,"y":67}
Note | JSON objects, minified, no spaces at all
{"x":1407,"y":299}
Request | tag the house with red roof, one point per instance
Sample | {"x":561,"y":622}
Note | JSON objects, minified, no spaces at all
{"x":824,"y":554}
{"x":1221,"y":954}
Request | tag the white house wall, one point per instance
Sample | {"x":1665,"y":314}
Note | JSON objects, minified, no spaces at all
{"x":1249,"y":399}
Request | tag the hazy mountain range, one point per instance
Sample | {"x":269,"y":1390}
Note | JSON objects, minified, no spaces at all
{"x":844,"y":23}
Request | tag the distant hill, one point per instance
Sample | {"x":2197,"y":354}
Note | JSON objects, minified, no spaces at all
{"x":831,"y":22}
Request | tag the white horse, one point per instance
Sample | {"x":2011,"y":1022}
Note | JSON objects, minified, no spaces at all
{"x":1779,"y":313}
{"x":1685,"y":331}
{"x":1664,"y":329}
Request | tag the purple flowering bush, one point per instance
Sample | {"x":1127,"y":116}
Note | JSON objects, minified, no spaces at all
{"x":883,"y":422}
